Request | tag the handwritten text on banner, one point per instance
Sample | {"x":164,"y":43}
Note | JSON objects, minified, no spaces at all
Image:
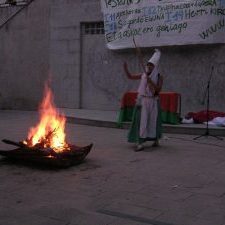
{"x":163,"y":22}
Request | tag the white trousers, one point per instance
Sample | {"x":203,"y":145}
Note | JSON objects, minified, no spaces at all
{"x":149,"y":114}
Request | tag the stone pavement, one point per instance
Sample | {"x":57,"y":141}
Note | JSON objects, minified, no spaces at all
{"x":180,"y":183}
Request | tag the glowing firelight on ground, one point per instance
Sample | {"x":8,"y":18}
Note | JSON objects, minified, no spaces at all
{"x":50,"y":131}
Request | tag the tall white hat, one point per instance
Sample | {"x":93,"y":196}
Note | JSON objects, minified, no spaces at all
{"x":155,"y":57}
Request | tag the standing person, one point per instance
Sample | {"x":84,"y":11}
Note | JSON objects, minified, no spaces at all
{"x":146,"y":121}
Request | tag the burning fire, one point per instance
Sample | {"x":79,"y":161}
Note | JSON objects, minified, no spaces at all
{"x":49,"y":132}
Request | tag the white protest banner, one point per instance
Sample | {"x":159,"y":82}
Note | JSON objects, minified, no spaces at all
{"x":163,"y":22}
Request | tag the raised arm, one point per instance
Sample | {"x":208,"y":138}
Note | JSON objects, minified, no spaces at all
{"x":129,"y":75}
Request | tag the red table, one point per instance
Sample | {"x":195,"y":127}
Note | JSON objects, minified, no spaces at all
{"x":170,"y":103}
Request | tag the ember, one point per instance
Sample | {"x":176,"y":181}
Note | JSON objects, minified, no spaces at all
{"x":46,"y":142}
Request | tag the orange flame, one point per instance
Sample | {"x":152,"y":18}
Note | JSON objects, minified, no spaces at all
{"x":49,"y":132}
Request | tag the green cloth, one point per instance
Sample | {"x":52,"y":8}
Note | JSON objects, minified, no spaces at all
{"x":169,"y":117}
{"x":125,"y":115}
{"x":133,"y":134}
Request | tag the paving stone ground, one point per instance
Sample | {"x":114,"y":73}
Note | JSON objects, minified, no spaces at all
{"x":180,"y":183}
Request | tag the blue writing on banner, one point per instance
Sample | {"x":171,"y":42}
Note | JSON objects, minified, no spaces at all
{"x":169,"y":21}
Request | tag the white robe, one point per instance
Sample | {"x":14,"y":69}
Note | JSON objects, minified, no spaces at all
{"x":149,"y":109}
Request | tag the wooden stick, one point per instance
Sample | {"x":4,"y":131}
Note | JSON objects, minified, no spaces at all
{"x":140,"y":57}
{"x":13,"y":143}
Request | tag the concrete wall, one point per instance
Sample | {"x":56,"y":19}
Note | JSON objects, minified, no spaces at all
{"x":24,"y":58}
{"x":6,"y":12}
{"x":187,"y":70}
{"x":65,"y":52}
{"x":85,"y":74}
{"x":98,"y":80}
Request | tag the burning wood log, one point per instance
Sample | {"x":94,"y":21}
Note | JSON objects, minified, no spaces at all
{"x":47,"y":156}
{"x":46,"y":142}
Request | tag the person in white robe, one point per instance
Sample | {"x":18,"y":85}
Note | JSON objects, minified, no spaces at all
{"x":146,"y":121}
